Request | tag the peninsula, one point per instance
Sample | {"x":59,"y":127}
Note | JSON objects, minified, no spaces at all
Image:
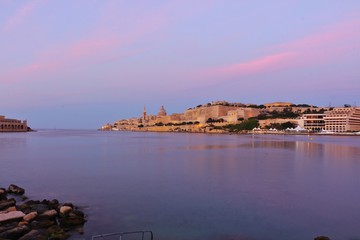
{"x":222,"y":117}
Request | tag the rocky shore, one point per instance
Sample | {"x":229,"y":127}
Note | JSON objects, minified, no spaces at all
{"x":24,"y":219}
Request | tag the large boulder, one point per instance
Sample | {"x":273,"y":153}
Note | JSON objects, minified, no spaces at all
{"x":5,"y":204}
{"x":30,"y":216}
{"x":31,"y":206}
{"x":35,"y":234}
{"x":56,"y":233}
{"x":49,"y":214}
{"x":322,"y":238}
{"x":65,"y":210}
{"x":7,"y":226}
{"x":15,"y":189}
{"x":2,"y":193}
{"x":15,"y":233}
{"x":42,"y":223}
{"x":8,"y":216}
{"x":73,"y":218}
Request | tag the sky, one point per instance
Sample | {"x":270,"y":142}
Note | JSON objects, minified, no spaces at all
{"x":79,"y":64}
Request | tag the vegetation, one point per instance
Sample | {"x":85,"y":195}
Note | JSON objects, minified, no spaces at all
{"x":314,"y":111}
{"x":286,"y":113}
{"x":281,"y":126}
{"x":249,"y":124}
{"x":210,"y":120}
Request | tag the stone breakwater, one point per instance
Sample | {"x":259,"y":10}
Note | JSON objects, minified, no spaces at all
{"x":24,"y":219}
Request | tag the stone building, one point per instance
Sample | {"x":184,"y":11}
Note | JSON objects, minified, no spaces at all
{"x":12,"y":125}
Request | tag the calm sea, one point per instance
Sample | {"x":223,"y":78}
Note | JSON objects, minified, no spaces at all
{"x":193,"y":186}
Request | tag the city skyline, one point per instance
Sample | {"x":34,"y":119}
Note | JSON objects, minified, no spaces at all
{"x":79,"y":64}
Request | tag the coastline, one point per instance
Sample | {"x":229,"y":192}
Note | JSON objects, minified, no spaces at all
{"x":245,"y":132}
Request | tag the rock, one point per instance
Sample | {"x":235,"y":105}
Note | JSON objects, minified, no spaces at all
{"x":4,"y":204}
{"x":69,"y":204}
{"x":15,"y":233}
{"x":30,"y":216}
{"x":35,"y":234}
{"x":7,"y":226}
{"x":23,"y":223}
{"x":64,"y":210}
{"x":36,"y":220}
{"x":2,"y":193}
{"x":24,"y":198}
{"x":7,"y":216}
{"x":53,"y":204}
{"x":15,"y":189}
{"x":74,"y":218}
{"x":57,"y":233}
{"x":31,"y":206}
{"x":49,"y":214}
{"x":11,"y":209}
{"x":322,"y":238}
{"x":43,"y":223}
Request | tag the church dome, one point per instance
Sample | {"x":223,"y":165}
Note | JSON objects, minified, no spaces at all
{"x":162,"y":112}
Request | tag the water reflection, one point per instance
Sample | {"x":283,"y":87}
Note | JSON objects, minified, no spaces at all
{"x":194,"y":186}
{"x":308,"y":148}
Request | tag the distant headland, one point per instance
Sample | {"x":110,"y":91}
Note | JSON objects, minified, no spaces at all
{"x":225,"y":117}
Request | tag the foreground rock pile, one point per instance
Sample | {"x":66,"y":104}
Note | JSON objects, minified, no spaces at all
{"x":35,"y":220}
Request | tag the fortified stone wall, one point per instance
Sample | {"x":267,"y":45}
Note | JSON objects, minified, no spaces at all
{"x":244,"y":113}
{"x":201,"y":114}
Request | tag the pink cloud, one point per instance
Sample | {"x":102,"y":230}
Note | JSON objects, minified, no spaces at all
{"x":20,"y":15}
{"x":259,"y":65}
{"x":330,"y":45}
{"x":97,"y":47}
{"x":82,"y":52}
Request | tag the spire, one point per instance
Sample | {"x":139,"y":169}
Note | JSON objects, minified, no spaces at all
{"x":144,"y":117}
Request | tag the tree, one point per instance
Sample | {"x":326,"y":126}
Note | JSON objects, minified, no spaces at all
{"x":249,"y":124}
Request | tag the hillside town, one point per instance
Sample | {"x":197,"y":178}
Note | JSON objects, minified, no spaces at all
{"x":222,"y":117}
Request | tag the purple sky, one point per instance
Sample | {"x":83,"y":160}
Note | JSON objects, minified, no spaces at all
{"x":83,"y":63}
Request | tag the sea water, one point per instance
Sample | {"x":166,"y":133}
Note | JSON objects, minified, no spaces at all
{"x":193,"y":186}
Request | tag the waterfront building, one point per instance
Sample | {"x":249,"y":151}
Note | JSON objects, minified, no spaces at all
{"x":346,"y":119}
{"x":12,"y":125}
{"x":314,"y":122}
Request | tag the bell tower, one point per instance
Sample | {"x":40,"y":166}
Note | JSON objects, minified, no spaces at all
{"x":144,"y":115}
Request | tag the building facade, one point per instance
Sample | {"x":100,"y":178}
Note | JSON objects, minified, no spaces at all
{"x":12,"y":125}
{"x":314,"y":122}
{"x":345,"y":119}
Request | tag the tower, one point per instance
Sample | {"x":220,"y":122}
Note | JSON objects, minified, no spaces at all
{"x":144,"y":116}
